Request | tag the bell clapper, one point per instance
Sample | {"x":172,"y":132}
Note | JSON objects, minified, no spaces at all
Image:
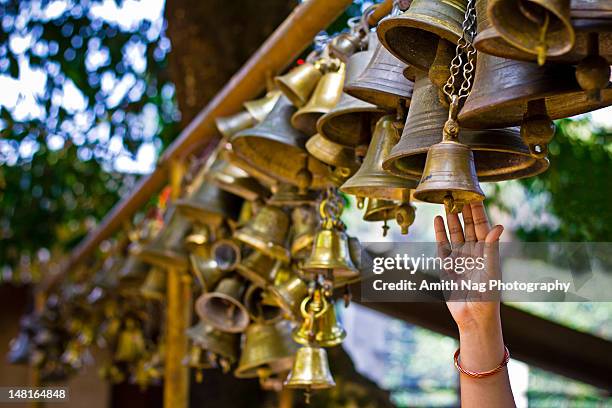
{"x":453,"y":206}
{"x":199,"y":376}
{"x":404,"y":216}
{"x":304,"y":177}
{"x":593,"y":72}
{"x":537,"y":129}
{"x":307,"y":394}
{"x":542,"y":48}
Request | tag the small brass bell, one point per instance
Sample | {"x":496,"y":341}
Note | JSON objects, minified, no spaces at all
{"x":331,"y":253}
{"x":226,"y":253}
{"x":208,"y":204}
{"x":413,"y":35}
{"x":304,"y":225}
{"x":167,"y":250}
{"x":288,"y":195}
{"x":380,"y":210}
{"x":539,"y":27}
{"x":257,"y":268}
{"x":449,"y":176}
{"x":320,"y":326}
{"x":276,"y":148}
{"x":223,"y":345}
{"x":267,"y":232}
{"x":131,"y":343}
{"x":154,"y":286}
{"x":382,"y":83}
{"x":332,"y":153}
{"x":371,"y":180}
{"x":344,"y":45}
{"x":349,"y":123}
{"x":310,"y":370}
{"x":230,"y":125}
{"x":197,"y":359}
{"x":289,"y":295}
{"x":222,"y":309}
{"x":236,"y":181}
{"x":324,"y":98}
{"x":499,"y":154}
{"x":260,"y":108}
{"x":259,"y":310}
{"x":299,"y":83}
{"x":203,"y":264}
{"x":267,"y":349}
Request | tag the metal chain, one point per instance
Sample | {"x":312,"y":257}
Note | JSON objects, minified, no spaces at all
{"x":465,"y":49}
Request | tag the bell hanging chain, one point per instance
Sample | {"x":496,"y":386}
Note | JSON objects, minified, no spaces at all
{"x":466,"y":49}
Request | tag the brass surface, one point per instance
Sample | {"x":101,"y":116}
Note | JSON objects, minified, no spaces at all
{"x":303,"y":229}
{"x":226,"y":253}
{"x":276,"y":148}
{"x":310,"y":370}
{"x":257,"y":268}
{"x":154,"y":286}
{"x":235,"y":180}
{"x":379,"y":210}
{"x":320,"y":325}
{"x":267,"y":232}
{"x":289,"y":295}
{"x":499,"y":154}
{"x":209,"y":205}
{"x":325,"y":96}
{"x":382,"y":83}
{"x":331,"y":153}
{"x":225,"y":345}
{"x":223,"y":308}
{"x":260,"y":108}
{"x":299,"y":83}
{"x":371,"y":180}
{"x":330,"y":252}
{"x":130,"y":343}
{"x":288,"y":195}
{"x":230,"y":125}
{"x":259,"y":310}
{"x":167,"y":250}
{"x":344,"y":45}
{"x":413,"y":36}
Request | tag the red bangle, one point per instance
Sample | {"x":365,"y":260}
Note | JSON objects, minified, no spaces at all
{"x":483,"y":374}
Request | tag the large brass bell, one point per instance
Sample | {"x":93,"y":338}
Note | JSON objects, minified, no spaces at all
{"x":236,"y":181}
{"x":349,"y":123}
{"x":222,"y":308}
{"x":154,"y":286}
{"x":449,"y":176}
{"x":310,"y":370}
{"x":267,"y":349}
{"x":413,"y":35}
{"x":299,"y":83}
{"x":131,"y":343}
{"x":167,"y":249}
{"x":208,"y":204}
{"x":325,"y":96}
{"x":331,"y":153}
{"x":539,"y":27}
{"x":260,"y":108}
{"x":304,"y":224}
{"x":371,"y":180}
{"x":257,"y":268}
{"x":499,"y":154}
{"x":320,"y":326}
{"x":276,"y":148}
{"x":287,"y":195}
{"x":230,"y":125}
{"x":380,"y":210}
{"x":224,"y":346}
{"x":267,"y":232}
{"x":289,"y":295}
{"x":382,"y":83}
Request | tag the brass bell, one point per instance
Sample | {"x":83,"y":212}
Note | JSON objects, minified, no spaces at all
{"x":230,"y":155}
{"x":167,"y":249}
{"x":223,"y":345}
{"x":222,"y":308}
{"x":260,"y":108}
{"x":287,"y":195}
{"x":331,"y":153}
{"x":299,"y":83}
{"x":259,"y":310}
{"x":413,"y":35}
{"x":226,"y":253}
{"x":310,"y":370}
{"x":197,"y":359}
{"x":267,"y":349}
{"x":382,"y":83}
{"x":349,"y":123}
{"x":539,"y":27}
{"x":304,"y":224}
{"x":499,"y":154}
{"x":257,"y":268}
{"x":380,"y":210}
{"x":371,"y":180}
{"x":230,"y":125}
{"x":276,"y":148}
{"x":203,"y":264}
{"x":236,"y":181}
{"x":154,"y":286}
{"x":343,"y":45}
{"x":131,"y":343}
{"x":449,"y":176}
{"x":208,"y":204}
{"x":320,"y":326}
{"x":325,"y":96}
{"x":289,"y":295}
{"x":267,"y":232}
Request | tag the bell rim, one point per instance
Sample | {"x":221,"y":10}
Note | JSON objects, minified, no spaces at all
{"x":303,"y":120}
{"x":249,"y":106}
{"x":379,"y":215}
{"x":202,"y":300}
{"x":306,"y":384}
{"x":392,"y":191}
{"x":234,"y":246}
{"x":389,"y":101}
{"x":341,"y":158}
{"x":337,"y":137}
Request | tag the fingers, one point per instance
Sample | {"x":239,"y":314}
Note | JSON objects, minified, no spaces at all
{"x":494,"y":234}
{"x":481,"y":222}
{"x":441,"y":237}
{"x":468,"y":224}
{"x":491,"y":252}
{"x":454,"y":228}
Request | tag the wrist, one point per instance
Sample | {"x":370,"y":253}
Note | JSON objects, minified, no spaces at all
{"x":481,"y":345}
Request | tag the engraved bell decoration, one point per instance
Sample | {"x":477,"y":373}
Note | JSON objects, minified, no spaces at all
{"x":222,"y":308}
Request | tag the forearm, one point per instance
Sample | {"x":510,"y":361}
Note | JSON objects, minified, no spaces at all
{"x":482,"y":349}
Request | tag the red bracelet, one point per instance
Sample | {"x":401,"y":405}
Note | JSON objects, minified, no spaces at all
{"x":483,"y":374}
